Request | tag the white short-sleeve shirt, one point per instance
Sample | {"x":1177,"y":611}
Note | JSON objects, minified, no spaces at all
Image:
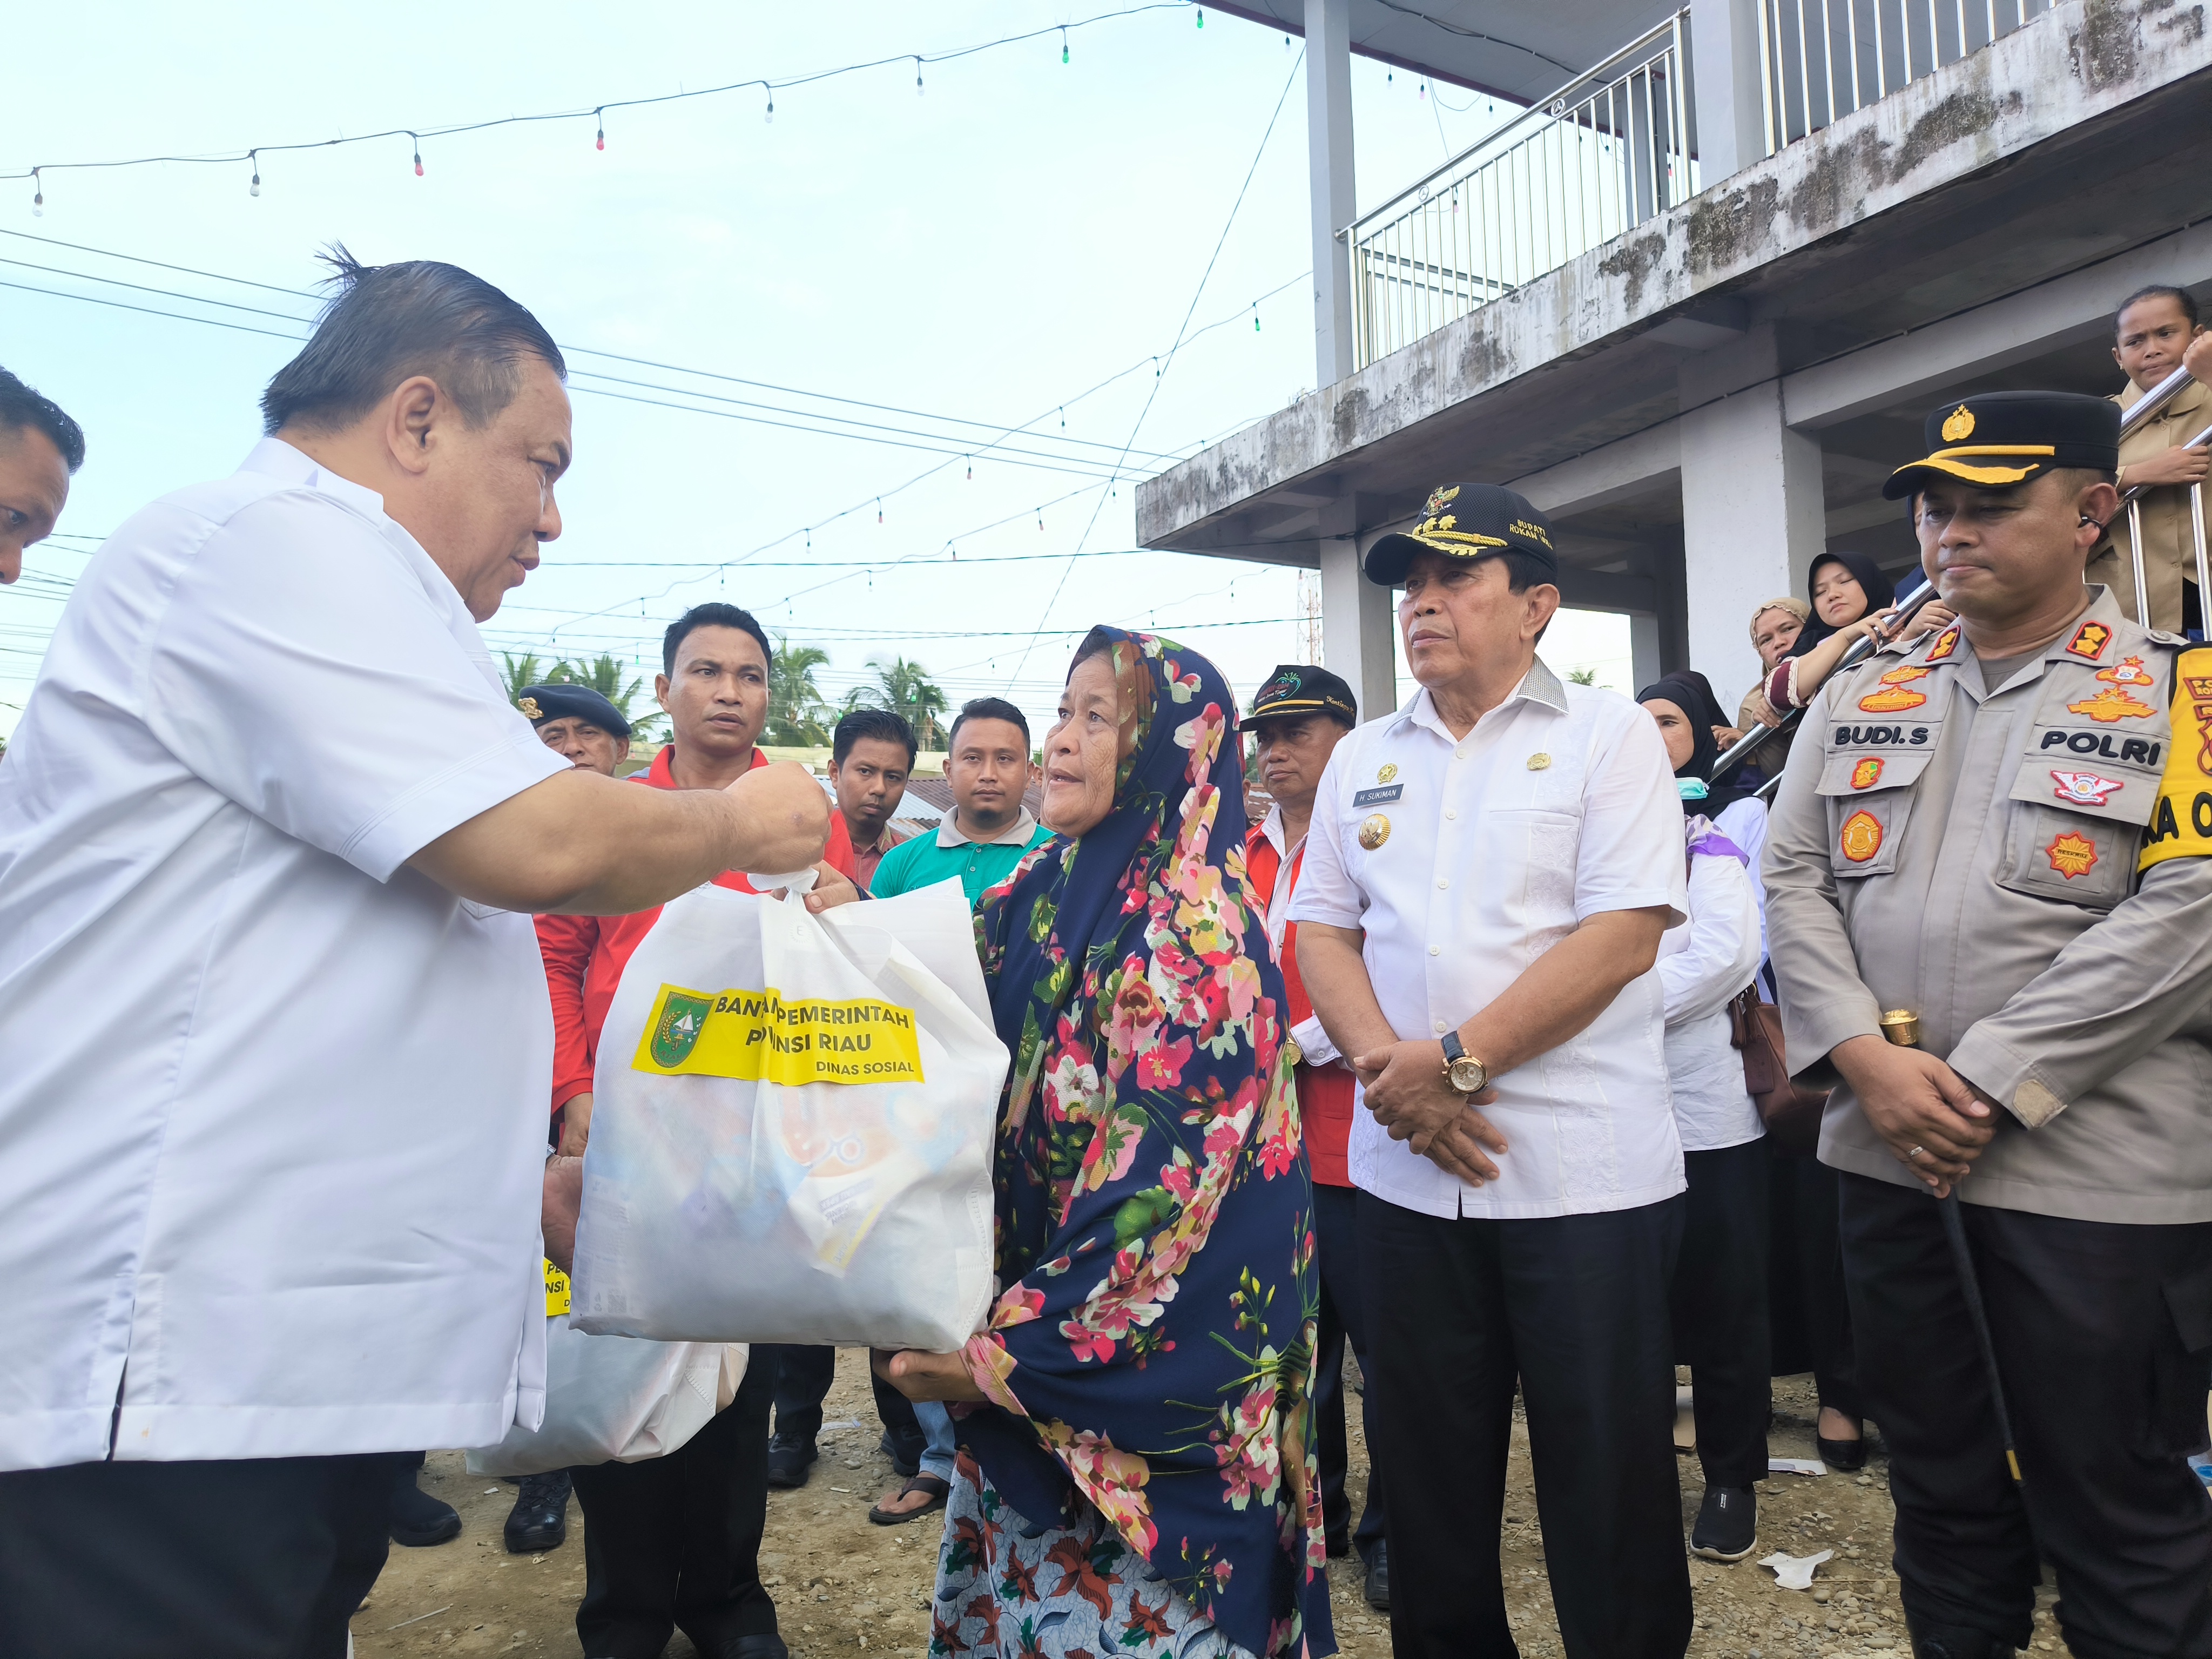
{"x":1558,"y":804}
{"x":273,"y":1105}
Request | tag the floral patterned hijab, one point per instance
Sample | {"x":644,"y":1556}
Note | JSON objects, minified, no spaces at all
{"x":1152,"y":1345}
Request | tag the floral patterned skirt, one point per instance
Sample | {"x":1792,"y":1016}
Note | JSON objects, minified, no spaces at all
{"x":1007,"y":1589}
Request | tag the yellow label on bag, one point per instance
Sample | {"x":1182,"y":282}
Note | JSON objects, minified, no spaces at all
{"x":763,"y":1036}
{"x":557,"y":1290}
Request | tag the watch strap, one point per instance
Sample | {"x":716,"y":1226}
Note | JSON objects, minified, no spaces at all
{"x":1452,"y":1047}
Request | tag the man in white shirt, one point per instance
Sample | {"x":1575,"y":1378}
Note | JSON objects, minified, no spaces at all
{"x":1485,"y":883}
{"x":278,"y":1049}
{"x":40,"y":449}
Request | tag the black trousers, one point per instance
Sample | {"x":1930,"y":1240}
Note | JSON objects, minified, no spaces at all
{"x":250,"y":1558}
{"x":1336,"y":1248}
{"x":1719,"y":1303}
{"x":1808,"y":1313}
{"x":2104,"y":1343}
{"x":803,"y":1375}
{"x":674,"y":1542}
{"x":1576,"y":1307}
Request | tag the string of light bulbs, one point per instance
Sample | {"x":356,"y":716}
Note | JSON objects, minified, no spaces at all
{"x":596,"y":113}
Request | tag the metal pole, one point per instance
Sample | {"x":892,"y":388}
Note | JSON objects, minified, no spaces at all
{"x":2136,"y":554}
{"x":2197,"y":529}
{"x":2153,"y":400}
{"x":1860,"y":650}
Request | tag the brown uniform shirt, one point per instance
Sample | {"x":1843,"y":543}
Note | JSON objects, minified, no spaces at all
{"x":1972,"y":855}
{"x":2169,"y":542}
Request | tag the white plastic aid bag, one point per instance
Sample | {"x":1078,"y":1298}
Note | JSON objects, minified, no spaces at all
{"x":612,"y":1399}
{"x":793,"y":1125}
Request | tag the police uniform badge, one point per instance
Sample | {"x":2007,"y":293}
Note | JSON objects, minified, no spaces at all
{"x":2112,"y":703}
{"x":1895,"y":696}
{"x":2071,"y":854}
{"x":2129,"y":671}
{"x":1862,"y":836}
{"x":2089,"y":641}
{"x":1867,"y":773}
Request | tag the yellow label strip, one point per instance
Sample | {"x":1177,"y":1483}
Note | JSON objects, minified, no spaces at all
{"x":763,"y":1036}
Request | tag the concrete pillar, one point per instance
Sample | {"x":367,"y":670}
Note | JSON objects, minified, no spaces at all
{"x":1328,"y":148}
{"x":1731,"y":122}
{"x":1358,"y":626}
{"x":1752,"y":522}
{"x":1644,"y":650}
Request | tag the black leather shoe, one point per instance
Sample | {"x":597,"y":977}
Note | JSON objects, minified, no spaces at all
{"x":1955,"y":1642}
{"x":1727,"y":1524}
{"x":770,"y":1646}
{"x":1339,"y":1545}
{"x":539,"y":1519}
{"x":1378,"y":1578}
{"x":1845,"y":1456}
{"x":789,"y":1456}
{"x":418,"y":1519}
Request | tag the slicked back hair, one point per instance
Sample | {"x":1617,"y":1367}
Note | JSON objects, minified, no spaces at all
{"x":386,"y":323}
{"x":713,"y":614}
{"x":2180,"y":296}
{"x":21,"y":408}
{"x":988,"y":709}
{"x":881,"y":724}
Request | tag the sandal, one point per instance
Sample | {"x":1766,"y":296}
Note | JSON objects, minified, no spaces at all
{"x":938,"y":1491}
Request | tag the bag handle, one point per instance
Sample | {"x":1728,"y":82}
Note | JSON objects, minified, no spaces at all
{"x":798,"y":884}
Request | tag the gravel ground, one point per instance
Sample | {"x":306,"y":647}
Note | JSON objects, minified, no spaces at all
{"x":842,"y":1586}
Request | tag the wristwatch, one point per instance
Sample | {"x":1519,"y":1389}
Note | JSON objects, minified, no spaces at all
{"x":1465,"y":1073}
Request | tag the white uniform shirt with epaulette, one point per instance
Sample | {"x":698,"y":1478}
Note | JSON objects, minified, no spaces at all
{"x":2023,"y":868}
{"x":1463,"y":860}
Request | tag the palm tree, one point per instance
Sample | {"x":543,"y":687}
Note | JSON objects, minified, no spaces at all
{"x":522,"y":670}
{"x":604,"y":674}
{"x":796,"y":707}
{"x":1583,"y":676}
{"x":904,"y":687}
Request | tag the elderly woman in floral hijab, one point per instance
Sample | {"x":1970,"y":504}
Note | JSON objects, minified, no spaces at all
{"x":1134,"y":1476}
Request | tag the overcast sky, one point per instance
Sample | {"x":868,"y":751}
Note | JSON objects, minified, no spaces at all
{"x":986,"y":250}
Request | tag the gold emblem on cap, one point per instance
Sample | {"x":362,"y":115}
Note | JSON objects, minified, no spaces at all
{"x":1439,"y":498}
{"x":1959,"y":424}
{"x":1539,"y":761}
{"x":529,"y":707}
{"x":1373,"y":832}
{"x":1389,"y":771}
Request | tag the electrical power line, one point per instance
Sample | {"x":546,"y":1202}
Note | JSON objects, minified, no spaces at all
{"x":251,"y":155}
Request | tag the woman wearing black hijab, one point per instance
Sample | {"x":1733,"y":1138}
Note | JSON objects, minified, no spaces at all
{"x":1719,"y":1291}
{"x":1851,"y":600}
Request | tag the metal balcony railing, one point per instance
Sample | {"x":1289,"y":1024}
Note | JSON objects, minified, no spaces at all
{"x":1821,"y":59}
{"x":1600,"y":156}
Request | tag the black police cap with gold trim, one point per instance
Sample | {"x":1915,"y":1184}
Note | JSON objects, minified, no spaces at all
{"x":1296,"y":689}
{"x":1465,"y":522}
{"x":541,"y":703}
{"x":2000,"y":439}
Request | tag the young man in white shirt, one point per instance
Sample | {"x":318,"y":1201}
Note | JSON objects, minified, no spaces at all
{"x":278,"y":1034}
{"x":1486,"y":882}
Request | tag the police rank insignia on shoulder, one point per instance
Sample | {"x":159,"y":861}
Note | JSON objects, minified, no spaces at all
{"x":1374,"y":831}
{"x":1946,"y":643}
{"x":1862,"y":836}
{"x":1894,"y":698}
{"x":1867,"y":773}
{"x":2112,"y":704}
{"x":2129,"y":671}
{"x":2089,"y":641}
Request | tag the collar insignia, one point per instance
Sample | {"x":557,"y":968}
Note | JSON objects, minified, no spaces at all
{"x":1946,"y":643}
{"x":2089,"y":641}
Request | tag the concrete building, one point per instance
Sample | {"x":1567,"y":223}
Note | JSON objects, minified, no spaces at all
{"x":1695,"y":300}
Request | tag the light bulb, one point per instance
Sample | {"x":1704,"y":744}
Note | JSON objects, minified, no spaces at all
{"x":770,"y":116}
{"x":418,"y":156}
{"x":1063,"y":46}
{"x":917,"y":77}
{"x":1201,"y":17}
{"x":38,"y":195}
{"x":601,"y":117}
{"x":254,"y":156}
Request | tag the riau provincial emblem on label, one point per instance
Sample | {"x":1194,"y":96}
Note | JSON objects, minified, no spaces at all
{"x":675,"y":1033}
{"x":1867,"y":773}
{"x":2071,"y":854}
{"x":1374,"y":831}
{"x":1862,"y":836}
{"x":2112,"y":703}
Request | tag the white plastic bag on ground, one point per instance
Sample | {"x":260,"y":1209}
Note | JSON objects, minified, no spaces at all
{"x":793,"y":1127}
{"x":612,"y":1399}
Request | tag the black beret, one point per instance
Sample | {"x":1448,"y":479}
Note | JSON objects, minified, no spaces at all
{"x":2000,"y":439}
{"x":542,"y":703}
{"x":1295,"y":689}
{"x":1465,"y":522}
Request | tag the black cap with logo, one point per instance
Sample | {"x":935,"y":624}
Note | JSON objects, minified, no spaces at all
{"x":1465,"y":522}
{"x":2000,"y":439}
{"x":541,"y":703}
{"x":1297,"y":689}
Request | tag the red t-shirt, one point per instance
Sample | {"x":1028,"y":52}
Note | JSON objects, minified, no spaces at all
{"x":1324,"y":1091}
{"x":585,"y":955}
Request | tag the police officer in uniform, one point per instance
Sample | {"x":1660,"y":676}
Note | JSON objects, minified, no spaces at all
{"x":2004,"y":832}
{"x":579,"y":722}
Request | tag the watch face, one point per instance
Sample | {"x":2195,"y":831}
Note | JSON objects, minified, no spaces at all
{"x":1467,"y":1076}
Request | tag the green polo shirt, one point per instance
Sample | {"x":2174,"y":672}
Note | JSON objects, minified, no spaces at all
{"x":934,"y":858}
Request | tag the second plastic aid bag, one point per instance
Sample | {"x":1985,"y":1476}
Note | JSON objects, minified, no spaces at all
{"x":791,"y":1128}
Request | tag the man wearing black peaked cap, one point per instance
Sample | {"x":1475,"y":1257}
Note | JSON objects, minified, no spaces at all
{"x":1485,"y":880}
{"x":579,"y":722}
{"x":1997,"y":839}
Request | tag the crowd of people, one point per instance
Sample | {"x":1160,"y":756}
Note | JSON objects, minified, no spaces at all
{"x":1448,"y":1061}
